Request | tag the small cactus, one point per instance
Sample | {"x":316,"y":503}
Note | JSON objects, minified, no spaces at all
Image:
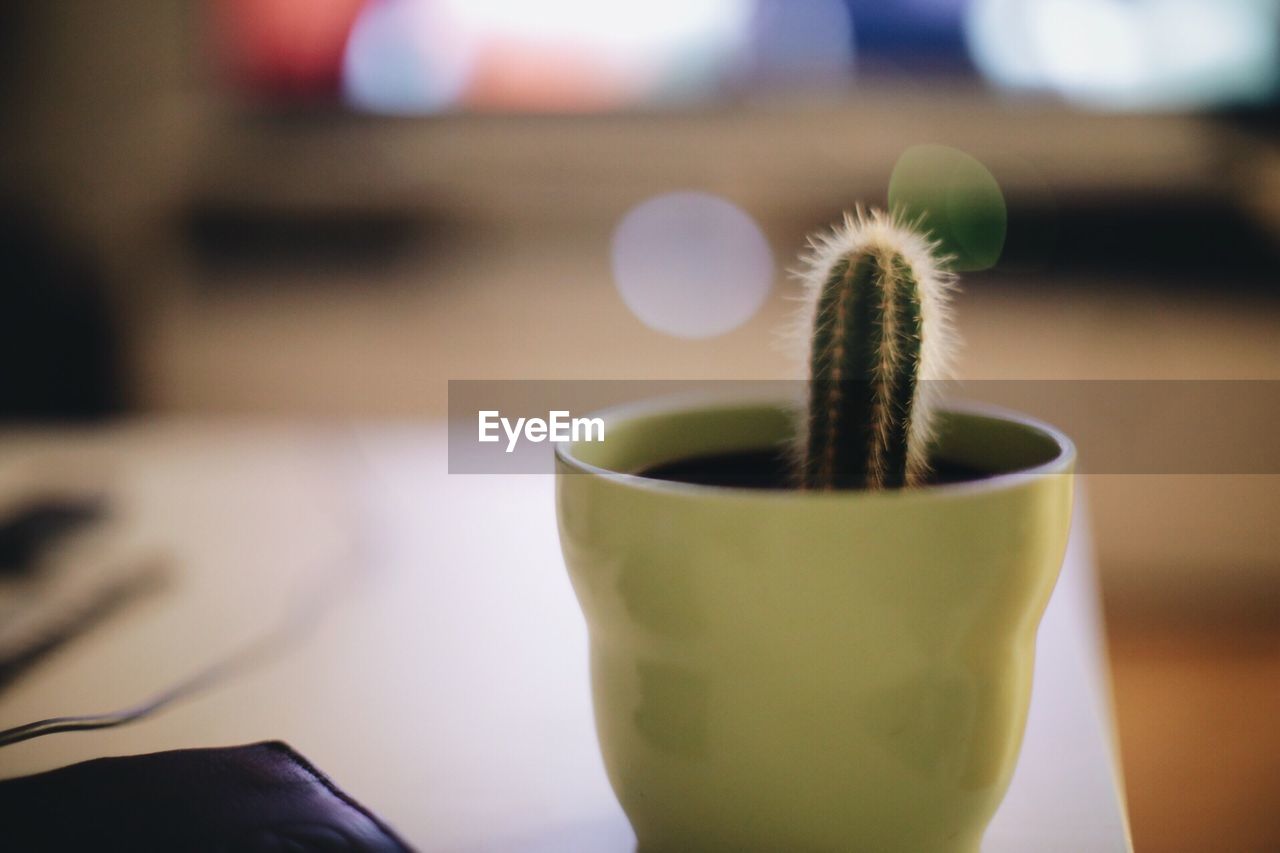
{"x":878,"y":318}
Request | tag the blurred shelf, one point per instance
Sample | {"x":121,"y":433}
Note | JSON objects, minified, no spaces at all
{"x":783,"y":156}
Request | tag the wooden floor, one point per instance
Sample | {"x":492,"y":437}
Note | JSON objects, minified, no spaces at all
{"x":1198,"y":710}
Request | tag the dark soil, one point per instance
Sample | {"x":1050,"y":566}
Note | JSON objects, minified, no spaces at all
{"x":771,"y":469}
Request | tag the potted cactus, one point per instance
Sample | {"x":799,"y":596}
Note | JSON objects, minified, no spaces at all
{"x":840,"y":660}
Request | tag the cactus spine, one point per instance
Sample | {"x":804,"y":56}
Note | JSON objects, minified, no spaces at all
{"x":878,"y":317}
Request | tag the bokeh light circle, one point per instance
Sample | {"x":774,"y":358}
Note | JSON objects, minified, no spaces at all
{"x":691,"y":264}
{"x":956,"y":199}
{"x":405,"y":57}
{"x":1130,"y":54}
{"x":801,"y":42}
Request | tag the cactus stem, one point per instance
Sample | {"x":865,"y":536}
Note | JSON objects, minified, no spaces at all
{"x":878,"y":321}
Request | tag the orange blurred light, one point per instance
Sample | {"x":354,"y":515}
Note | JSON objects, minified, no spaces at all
{"x":513,"y":75}
{"x":584,"y":55}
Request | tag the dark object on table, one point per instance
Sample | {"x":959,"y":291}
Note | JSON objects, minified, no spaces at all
{"x":28,"y":533}
{"x":260,"y":797}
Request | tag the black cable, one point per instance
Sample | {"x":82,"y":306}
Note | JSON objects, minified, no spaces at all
{"x":303,"y":617}
{"x":298,"y":621}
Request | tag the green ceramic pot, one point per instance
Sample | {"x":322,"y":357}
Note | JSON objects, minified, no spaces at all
{"x":806,"y":671}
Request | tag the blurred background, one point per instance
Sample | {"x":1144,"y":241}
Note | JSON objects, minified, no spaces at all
{"x":325,"y":209}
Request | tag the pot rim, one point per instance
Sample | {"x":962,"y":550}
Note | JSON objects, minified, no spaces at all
{"x":1061,"y":463}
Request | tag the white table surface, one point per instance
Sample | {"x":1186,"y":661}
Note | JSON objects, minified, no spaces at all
{"x":446,"y":685}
